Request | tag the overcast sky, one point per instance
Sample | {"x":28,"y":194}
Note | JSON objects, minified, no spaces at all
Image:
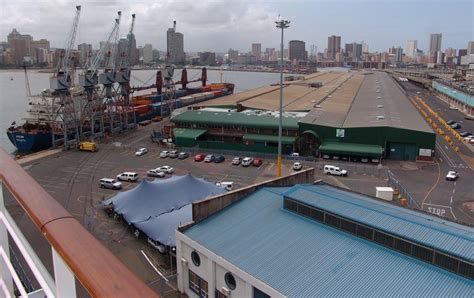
{"x":218,"y":25}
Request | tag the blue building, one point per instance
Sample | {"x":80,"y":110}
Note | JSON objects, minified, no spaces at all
{"x":318,"y":240}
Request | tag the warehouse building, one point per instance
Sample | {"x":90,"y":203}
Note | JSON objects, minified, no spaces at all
{"x":322,"y":241}
{"x":339,"y":115}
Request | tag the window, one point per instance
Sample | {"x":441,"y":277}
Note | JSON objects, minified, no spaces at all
{"x":365,"y":232}
{"x":219,"y":294}
{"x":333,"y":220}
{"x":197,"y":284}
{"x":384,"y":239}
{"x":289,"y":205}
{"x":196,"y":259}
{"x":446,"y":262}
{"x":348,"y":226}
{"x":466,"y":270}
{"x":230,"y":281}
{"x":317,"y":215}
{"x":303,"y":210}
{"x":422,"y":253}
{"x":402,"y":246}
{"x":259,"y":294}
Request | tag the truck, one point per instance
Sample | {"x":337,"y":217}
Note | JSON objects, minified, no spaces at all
{"x":88,"y":146}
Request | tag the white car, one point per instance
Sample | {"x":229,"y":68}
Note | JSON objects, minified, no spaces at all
{"x":452,"y":175}
{"x":226,"y":185}
{"x":295,"y":154}
{"x":297,"y":166}
{"x":247,"y":161}
{"x":164,"y":154}
{"x":333,"y":170}
{"x":166,"y":169}
{"x":141,"y":151}
{"x":236,"y":161}
{"x":127,"y":176}
{"x":110,"y":183}
{"x":155,"y":173}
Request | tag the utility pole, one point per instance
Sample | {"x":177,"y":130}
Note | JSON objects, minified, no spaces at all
{"x":281,"y":24}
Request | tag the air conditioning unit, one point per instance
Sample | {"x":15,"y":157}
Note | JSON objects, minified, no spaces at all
{"x":226,"y":291}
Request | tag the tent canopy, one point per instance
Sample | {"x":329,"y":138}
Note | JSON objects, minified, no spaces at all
{"x":151,"y":199}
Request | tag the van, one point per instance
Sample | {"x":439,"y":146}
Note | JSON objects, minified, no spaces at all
{"x":109,"y":183}
{"x":88,"y":146}
{"x":247,"y":161}
{"x":226,"y":185}
{"x":127,"y":176}
{"x":333,"y":170}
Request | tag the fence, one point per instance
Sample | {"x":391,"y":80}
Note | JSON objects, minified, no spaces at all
{"x":393,"y":182}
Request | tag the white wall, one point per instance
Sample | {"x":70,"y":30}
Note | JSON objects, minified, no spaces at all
{"x":212,"y":269}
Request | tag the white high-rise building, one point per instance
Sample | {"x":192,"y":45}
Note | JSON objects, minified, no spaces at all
{"x":412,"y":46}
{"x":147,"y":53}
{"x":175,"y":45}
{"x":365,"y":47}
{"x":470,"y":48}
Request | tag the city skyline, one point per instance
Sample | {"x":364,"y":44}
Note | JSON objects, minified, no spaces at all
{"x":238,"y":24}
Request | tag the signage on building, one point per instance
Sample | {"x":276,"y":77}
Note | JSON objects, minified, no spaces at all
{"x":339,"y":133}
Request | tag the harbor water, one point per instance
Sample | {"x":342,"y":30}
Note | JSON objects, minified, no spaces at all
{"x":14,"y":104}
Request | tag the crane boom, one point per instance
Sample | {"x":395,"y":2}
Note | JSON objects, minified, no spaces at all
{"x":65,"y":63}
{"x":95,"y":62}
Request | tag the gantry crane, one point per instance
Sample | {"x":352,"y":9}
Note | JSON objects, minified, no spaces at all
{"x":64,"y":123}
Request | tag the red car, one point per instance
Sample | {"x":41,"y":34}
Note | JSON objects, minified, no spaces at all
{"x":199,"y":157}
{"x":257,"y":162}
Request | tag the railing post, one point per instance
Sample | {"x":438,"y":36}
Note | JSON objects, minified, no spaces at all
{"x":5,"y":276}
{"x":65,"y":281}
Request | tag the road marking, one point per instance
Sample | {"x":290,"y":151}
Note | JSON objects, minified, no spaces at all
{"x":440,"y":210}
{"x":437,"y":181}
{"x":445,"y":155}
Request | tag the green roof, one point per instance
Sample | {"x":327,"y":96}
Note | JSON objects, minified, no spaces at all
{"x":351,"y":149}
{"x":234,"y":119}
{"x":269,"y":138}
{"x":188,"y":133}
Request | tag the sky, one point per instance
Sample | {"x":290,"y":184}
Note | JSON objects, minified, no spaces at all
{"x":217,"y":25}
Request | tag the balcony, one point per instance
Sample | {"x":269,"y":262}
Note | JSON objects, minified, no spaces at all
{"x":76,"y":254}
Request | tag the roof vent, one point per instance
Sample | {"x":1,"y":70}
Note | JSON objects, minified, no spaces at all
{"x":380,"y":117}
{"x":379,"y":106}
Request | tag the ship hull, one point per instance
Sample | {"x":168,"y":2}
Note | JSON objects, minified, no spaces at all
{"x":30,"y":142}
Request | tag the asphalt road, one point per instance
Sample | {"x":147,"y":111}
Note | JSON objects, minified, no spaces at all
{"x":428,"y":184}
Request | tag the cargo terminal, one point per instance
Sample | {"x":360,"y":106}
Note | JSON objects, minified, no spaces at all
{"x":357,"y":115}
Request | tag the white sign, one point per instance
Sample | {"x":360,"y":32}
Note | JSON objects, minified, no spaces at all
{"x":425,"y":152}
{"x":339,"y":133}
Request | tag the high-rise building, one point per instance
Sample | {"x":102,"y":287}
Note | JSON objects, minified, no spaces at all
{"x":207,"y":58}
{"x":233,"y":55}
{"x":354,"y":51}
{"x":19,"y":45}
{"x":412,"y":46}
{"x":470,"y":48}
{"x":365,"y":47}
{"x":175,"y":45}
{"x":257,"y":51}
{"x":334,"y":46}
{"x":435,"y":43}
{"x":297,"y":50}
{"x":398,"y":55}
{"x":132,"y":53}
{"x":147,"y":53}
{"x":85,"y":50}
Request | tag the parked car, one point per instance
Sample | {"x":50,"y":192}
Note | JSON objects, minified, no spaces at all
{"x":209,"y":158}
{"x":295,"y":154}
{"x":333,"y":170}
{"x":227,"y":185}
{"x":173,"y":154}
{"x":297,"y":166}
{"x":452,"y":175}
{"x":455,"y":125}
{"x":155,"y":173}
{"x":166,"y":169}
{"x":449,"y":122}
{"x":183,"y":155}
{"x":247,"y":161}
{"x":219,"y":159}
{"x":127,"y":176}
{"x":199,"y":157}
{"x":141,"y":151}
{"x":109,"y":183}
{"x":465,"y":134}
{"x":164,"y":154}
{"x":453,"y":108}
{"x":257,"y":162}
{"x":236,"y":161}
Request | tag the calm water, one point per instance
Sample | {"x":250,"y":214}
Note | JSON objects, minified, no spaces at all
{"x":13,"y":103}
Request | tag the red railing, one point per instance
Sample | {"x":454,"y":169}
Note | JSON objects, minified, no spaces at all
{"x":94,"y":266}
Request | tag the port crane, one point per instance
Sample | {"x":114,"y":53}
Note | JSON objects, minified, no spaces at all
{"x":64,"y":123}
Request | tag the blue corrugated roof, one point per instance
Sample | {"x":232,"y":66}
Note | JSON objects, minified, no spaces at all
{"x":301,"y":257}
{"x":431,"y":231}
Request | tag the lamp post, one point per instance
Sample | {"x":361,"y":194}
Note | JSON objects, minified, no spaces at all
{"x":281,"y":24}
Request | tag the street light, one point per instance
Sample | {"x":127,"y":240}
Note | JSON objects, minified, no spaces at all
{"x":281,"y":24}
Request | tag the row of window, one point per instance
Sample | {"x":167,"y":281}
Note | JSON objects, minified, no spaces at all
{"x":420,"y":252}
{"x":285,"y":132}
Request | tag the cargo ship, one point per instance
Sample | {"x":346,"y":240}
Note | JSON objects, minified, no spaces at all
{"x":36,"y":133}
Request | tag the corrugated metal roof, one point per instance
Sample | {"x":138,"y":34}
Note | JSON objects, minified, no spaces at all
{"x":351,"y":149}
{"x":188,"y":133}
{"x":433,"y":232}
{"x":233,"y":118}
{"x":300,"y":257}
